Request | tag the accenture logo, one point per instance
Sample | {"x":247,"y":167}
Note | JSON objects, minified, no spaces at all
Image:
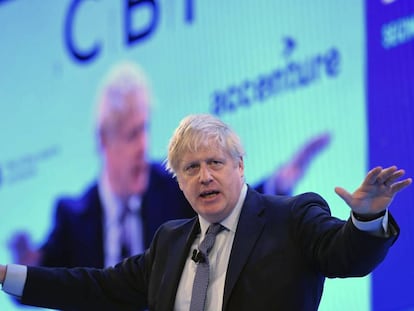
{"x":292,"y":75}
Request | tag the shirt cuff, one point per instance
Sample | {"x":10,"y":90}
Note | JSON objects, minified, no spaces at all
{"x":15,"y":279}
{"x":377,"y":226}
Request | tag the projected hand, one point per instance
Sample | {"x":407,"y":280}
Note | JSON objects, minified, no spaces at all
{"x":287,"y":176}
{"x":376,"y":192}
{"x":22,"y":250}
{"x":2,"y":273}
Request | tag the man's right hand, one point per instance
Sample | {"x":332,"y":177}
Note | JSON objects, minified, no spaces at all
{"x":2,"y":274}
{"x":22,"y":251}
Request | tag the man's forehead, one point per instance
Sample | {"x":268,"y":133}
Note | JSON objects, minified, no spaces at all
{"x":204,"y":152}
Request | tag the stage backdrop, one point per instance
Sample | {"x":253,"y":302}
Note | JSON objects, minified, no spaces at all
{"x":279,"y":72}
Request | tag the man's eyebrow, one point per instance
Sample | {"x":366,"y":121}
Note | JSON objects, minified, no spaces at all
{"x":186,"y":163}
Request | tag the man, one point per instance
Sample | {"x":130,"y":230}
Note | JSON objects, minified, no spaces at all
{"x":89,"y":230}
{"x":271,"y":253}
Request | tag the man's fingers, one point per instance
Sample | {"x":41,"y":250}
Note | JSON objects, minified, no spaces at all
{"x":389,"y":176}
{"x":398,"y":186}
{"x":314,"y":146}
{"x":372,"y":175}
{"x":388,"y":173}
{"x":345,"y":195}
{"x":393,"y":177}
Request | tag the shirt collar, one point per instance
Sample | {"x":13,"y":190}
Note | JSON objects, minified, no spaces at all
{"x":111,"y":204}
{"x":230,"y":222}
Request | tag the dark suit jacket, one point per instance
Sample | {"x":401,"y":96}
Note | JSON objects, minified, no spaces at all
{"x":77,"y":235}
{"x":283,"y":249}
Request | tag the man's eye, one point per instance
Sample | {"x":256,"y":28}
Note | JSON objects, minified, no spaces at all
{"x":135,"y":133}
{"x":191,"y":169}
{"x":216,"y":164}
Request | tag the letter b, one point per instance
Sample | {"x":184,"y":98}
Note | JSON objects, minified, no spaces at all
{"x":135,"y":35}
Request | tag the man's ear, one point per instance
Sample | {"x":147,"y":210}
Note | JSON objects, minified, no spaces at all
{"x":241,"y":167}
{"x":103,"y":139}
{"x":241,"y":164}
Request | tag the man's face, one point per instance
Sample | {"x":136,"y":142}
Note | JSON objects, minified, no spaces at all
{"x":125,"y":153}
{"x":211,"y":181}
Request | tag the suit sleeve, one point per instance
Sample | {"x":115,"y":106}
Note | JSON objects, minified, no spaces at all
{"x":119,"y":288}
{"x":54,"y":250}
{"x":336,"y":247}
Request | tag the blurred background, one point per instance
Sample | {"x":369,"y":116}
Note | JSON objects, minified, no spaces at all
{"x":279,"y":72}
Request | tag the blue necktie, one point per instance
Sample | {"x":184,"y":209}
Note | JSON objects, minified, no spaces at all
{"x":202,"y":276}
{"x":131,"y":228}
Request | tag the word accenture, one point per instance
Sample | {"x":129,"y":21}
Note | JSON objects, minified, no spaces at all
{"x":293,"y":76}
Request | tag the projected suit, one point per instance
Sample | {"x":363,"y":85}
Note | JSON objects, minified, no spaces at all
{"x":77,"y":235}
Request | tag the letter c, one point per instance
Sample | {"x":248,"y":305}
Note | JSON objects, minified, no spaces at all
{"x":76,"y":52}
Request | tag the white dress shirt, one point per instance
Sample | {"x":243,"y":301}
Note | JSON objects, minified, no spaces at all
{"x":218,"y":258}
{"x":112,"y":212}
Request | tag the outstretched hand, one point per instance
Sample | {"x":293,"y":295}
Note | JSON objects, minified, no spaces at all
{"x":376,"y":192}
{"x":288,"y":175}
{"x":22,"y":250}
{"x":2,"y":273}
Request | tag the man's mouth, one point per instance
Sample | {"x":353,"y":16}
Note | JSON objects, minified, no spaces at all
{"x":208,"y":194}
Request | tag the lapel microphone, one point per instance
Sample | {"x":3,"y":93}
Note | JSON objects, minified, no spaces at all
{"x":197,"y":256}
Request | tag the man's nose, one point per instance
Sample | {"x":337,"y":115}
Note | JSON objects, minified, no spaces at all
{"x":205,"y":174}
{"x":140,"y":144}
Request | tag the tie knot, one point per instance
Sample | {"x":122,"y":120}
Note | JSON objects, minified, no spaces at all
{"x":214,"y":229}
{"x":132,"y":206}
{"x":208,"y":241}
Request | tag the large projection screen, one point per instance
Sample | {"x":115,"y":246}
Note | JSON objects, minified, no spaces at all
{"x":279,"y":72}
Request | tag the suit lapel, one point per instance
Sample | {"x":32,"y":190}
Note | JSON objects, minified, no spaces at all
{"x":178,"y":251}
{"x":90,"y":231}
{"x":248,"y":231}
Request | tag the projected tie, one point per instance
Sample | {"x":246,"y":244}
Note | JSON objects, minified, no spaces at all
{"x":131,"y":229}
{"x":201,"y":279}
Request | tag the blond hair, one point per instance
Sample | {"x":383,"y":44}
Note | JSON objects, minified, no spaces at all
{"x":198,"y":131}
{"x":126,"y":80}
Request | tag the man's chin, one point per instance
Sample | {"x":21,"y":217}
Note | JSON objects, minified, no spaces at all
{"x":139,"y":188}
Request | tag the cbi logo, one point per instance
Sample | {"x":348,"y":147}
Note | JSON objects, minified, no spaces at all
{"x":132,"y":34}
